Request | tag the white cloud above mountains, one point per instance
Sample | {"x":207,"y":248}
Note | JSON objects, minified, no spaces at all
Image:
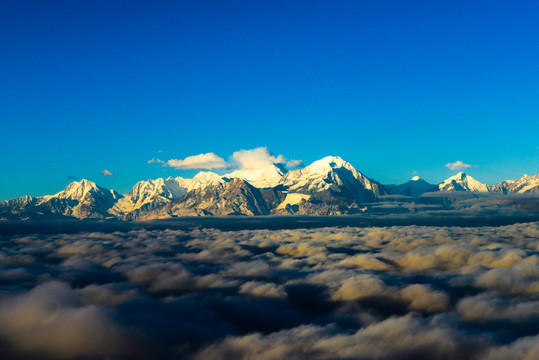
{"x":206,"y":161}
{"x":251,"y":159}
{"x":458,"y":165}
{"x":261,"y":157}
{"x":154,"y":160}
{"x":256,"y":158}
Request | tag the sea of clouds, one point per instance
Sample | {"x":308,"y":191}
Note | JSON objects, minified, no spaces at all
{"x":403,"y":292}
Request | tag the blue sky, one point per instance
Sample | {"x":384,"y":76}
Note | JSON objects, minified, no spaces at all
{"x":393,"y":87}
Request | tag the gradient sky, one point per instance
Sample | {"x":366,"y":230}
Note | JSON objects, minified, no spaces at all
{"x":393,"y":87}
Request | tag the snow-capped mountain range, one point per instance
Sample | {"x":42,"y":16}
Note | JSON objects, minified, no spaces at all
{"x":328,"y":186}
{"x":461,"y":182}
{"x":524,"y":185}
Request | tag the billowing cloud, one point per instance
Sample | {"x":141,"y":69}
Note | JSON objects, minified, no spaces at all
{"x":50,"y":321}
{"x":263,"y":290}
{"x":257,"y":158}
{"x":404,"y":337}
{"x":261,"y":157}
{"x":526,"y":348}
{"x":107,"y":173}
{"x":197,"y":292}
{"x":206,"y":161}
{"x":243,"y":159}
{"x":458,"y":165}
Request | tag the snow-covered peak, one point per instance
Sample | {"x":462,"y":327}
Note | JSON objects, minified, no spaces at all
{"x":81,"y":199}
{"x":321,"y":168}
{"x":462,"y":182}
{"x":77,"y":190}
{"x":167,"y":188}
{"x":150,"y":191}
{"x":415,"y":178}
{"x":203,"y":179}
{"x":328,"y":162}
{"x":268,"y":176}
{"x":334,"y":175}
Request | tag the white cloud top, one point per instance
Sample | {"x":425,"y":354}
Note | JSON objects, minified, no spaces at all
{"x":206,"y":161}
{"x":257,"y":158}
{"x":458,"y":165}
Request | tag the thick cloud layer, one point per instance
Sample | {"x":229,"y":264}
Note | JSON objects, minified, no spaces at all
{"x":408,"y":292}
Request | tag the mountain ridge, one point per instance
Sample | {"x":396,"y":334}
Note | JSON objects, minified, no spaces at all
{"x":329,"y":186}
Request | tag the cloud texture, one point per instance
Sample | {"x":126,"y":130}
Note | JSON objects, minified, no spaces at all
{"x":206,"y":161}
{"x":402,"y":292}
{"x":107,"y":173}
{"x":257,"y":158}
{"x":458,"y":165}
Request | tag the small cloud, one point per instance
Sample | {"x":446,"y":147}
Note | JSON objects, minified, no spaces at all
{"x":72,"y":177}
{"x":457,"y":165}
{"x":294,"y":163}
{"x":415,"y":172}
{"x":107,"y":173}
{"x":159,"y":151}
{"x":151,"y":161}
{"x":206,"y":161}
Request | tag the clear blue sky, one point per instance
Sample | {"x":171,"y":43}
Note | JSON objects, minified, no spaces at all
{"x":392,"y":87}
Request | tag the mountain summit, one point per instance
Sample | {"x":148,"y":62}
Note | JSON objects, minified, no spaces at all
{"x":415,"y":187}
{"x":332,"y":177}
{"x":159,"y":191}
{"x":462,"y":182}
{"x":80,"y":199}
{"x":266,"y":177}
